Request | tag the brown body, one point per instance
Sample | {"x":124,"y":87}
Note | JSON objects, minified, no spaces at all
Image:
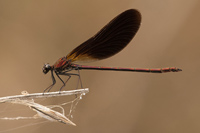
{"x":62,"y":64}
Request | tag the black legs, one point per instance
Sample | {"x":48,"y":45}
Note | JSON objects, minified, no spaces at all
{"x":64,"y":82}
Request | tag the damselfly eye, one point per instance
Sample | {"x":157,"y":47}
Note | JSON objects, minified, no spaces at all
{"x":46,"y":68}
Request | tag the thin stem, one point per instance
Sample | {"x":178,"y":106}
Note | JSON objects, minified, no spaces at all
{"x":44,"y":95}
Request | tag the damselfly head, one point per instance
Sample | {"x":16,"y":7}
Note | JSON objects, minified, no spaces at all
{"x":46,"y":68}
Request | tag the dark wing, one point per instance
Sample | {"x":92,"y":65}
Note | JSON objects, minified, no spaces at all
{"x":111,"y":39}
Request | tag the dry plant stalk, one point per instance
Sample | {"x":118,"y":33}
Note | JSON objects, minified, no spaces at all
{"x":43,"y":111}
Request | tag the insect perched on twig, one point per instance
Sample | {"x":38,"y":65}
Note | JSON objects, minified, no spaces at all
{"x":110,"y":40}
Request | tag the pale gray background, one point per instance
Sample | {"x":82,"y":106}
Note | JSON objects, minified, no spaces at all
{"x":33,"y":32}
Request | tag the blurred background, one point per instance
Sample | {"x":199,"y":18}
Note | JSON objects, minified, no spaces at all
{"x":35,"y":32}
